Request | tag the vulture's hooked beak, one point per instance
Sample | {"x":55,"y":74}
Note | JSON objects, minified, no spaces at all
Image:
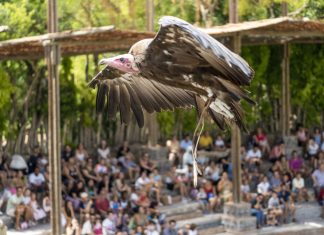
{"x":106,"y":61}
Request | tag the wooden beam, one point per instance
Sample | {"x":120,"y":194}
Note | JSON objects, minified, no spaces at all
{"x":233,"y":14}
{"x":285,"y":91}
{"x":235,"y":130}
{"x":285,"y":81}
{"x":151,"y":118}
{"x":150,"y":15}
{"x":52,"y":59}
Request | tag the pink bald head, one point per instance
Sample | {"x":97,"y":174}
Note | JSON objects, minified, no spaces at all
{"x":125,"y":63}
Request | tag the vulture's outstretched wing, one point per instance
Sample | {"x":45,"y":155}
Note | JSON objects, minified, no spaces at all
{"x":128,"y":93}
{"x":183,"y":55}
{"x":183,"y":48}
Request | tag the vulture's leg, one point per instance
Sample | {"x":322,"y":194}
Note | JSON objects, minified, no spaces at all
{"x":196,"y":138}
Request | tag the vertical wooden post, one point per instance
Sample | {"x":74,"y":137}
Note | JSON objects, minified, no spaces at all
{"x":235,"y":131}
{"x":52,"y":60}
{"x":150,"y":15}
{"x":285,"y":91}
{"x":233,"y":14}
{"x":285,"y":83}
{"x":151,"y":118}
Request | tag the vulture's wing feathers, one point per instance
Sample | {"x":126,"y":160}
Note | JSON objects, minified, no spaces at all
{"x":183,"y":56}
{"x":184,"y":48}
{"x":128,"y":93}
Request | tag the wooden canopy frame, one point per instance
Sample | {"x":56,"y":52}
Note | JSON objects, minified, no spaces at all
{"x":108,"y":39}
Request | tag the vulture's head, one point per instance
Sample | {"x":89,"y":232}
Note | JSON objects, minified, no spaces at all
{"x":125,"y":63}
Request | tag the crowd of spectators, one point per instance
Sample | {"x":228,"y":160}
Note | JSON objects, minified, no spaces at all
{"x":114,"y":191}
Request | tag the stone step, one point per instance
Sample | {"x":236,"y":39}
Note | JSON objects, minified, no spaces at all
{"x":7,"y":221}
{"x":185,"y":216}
{"x":41,"y":229}
{"x":289,"y":150}
{"x":308,"y":212}
{"x":206,"y":224}
{"x":179,"y":208}
{"x":291,"y":141}
{"x":294,"y":229}
{"x":209,"y":231}
{"x":169,"y":200}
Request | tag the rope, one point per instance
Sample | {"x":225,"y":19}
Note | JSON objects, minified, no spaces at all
{"x":200,"y":125}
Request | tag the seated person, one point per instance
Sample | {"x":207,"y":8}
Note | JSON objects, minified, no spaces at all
{"x":146,"y":165}
{"x":86,"y":205}
{"x":129,"y":166}
{"x":37,"y":181}
{"x":321,"y":200}
{"x":276,"y":181}
{"x":245,"y":189}
{"x":103,"y":150}
{"x":185,"y":143}
{"x":173,"y":147}
{"x":224,"y":188}
{"x":17,"y":210}
{"x":277,"y":152}
{"x":287,"y":202}
{"x":318,"y":179}
{"x":143,"y":182}
{"x":202,"y":198}
{"x":262,"y":141}
{"x":302,"y":136}
{"x":212,"y":198}
{"x":254,"y":155}
{"x":312,"y":151}
{"x":298,"y":188}
{"x":296,"y":163}
{"x":219,"y":143}
{"x":264,"y":187}
{"x":275,"y":209}
{"x":257,"y":207}
{"x":205,"y":142}
{"x":101,"y":167}
{"x":102,"y":203}
{"x":123,"y":150}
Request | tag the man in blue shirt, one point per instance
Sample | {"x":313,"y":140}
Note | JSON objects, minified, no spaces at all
{"x":186,"y":142}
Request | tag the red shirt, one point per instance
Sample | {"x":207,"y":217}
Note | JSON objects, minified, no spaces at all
{"x":260,"y":137}
{"x":102,"y":204}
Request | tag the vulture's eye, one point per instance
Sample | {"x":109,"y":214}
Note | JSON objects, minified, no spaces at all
{"x":122,"y":60}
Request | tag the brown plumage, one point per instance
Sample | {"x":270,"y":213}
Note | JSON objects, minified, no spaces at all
{"x":126,"y":93}
{"x":182,"y":67}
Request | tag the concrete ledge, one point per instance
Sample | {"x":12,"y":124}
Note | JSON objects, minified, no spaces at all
{"x":290,"y":229}
{"x":179,"y":208}
{"x":239,"y":210}
{"x":206,"y":225}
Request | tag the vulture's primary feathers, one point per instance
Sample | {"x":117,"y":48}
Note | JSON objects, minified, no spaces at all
{"x":181,"y":67}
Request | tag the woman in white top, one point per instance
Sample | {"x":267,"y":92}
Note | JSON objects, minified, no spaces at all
{"x":298,"y":187}
{"x":81,"y":154}
{"x":103,"y":150}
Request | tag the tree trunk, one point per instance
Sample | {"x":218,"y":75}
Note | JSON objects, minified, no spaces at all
{"x":20,"y":139}
{"x":98,"y":133}
{"x":41,"y":132}
{"x":32,"y":135}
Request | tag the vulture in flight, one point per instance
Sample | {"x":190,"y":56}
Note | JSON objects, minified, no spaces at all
{"x":181,"y":67}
